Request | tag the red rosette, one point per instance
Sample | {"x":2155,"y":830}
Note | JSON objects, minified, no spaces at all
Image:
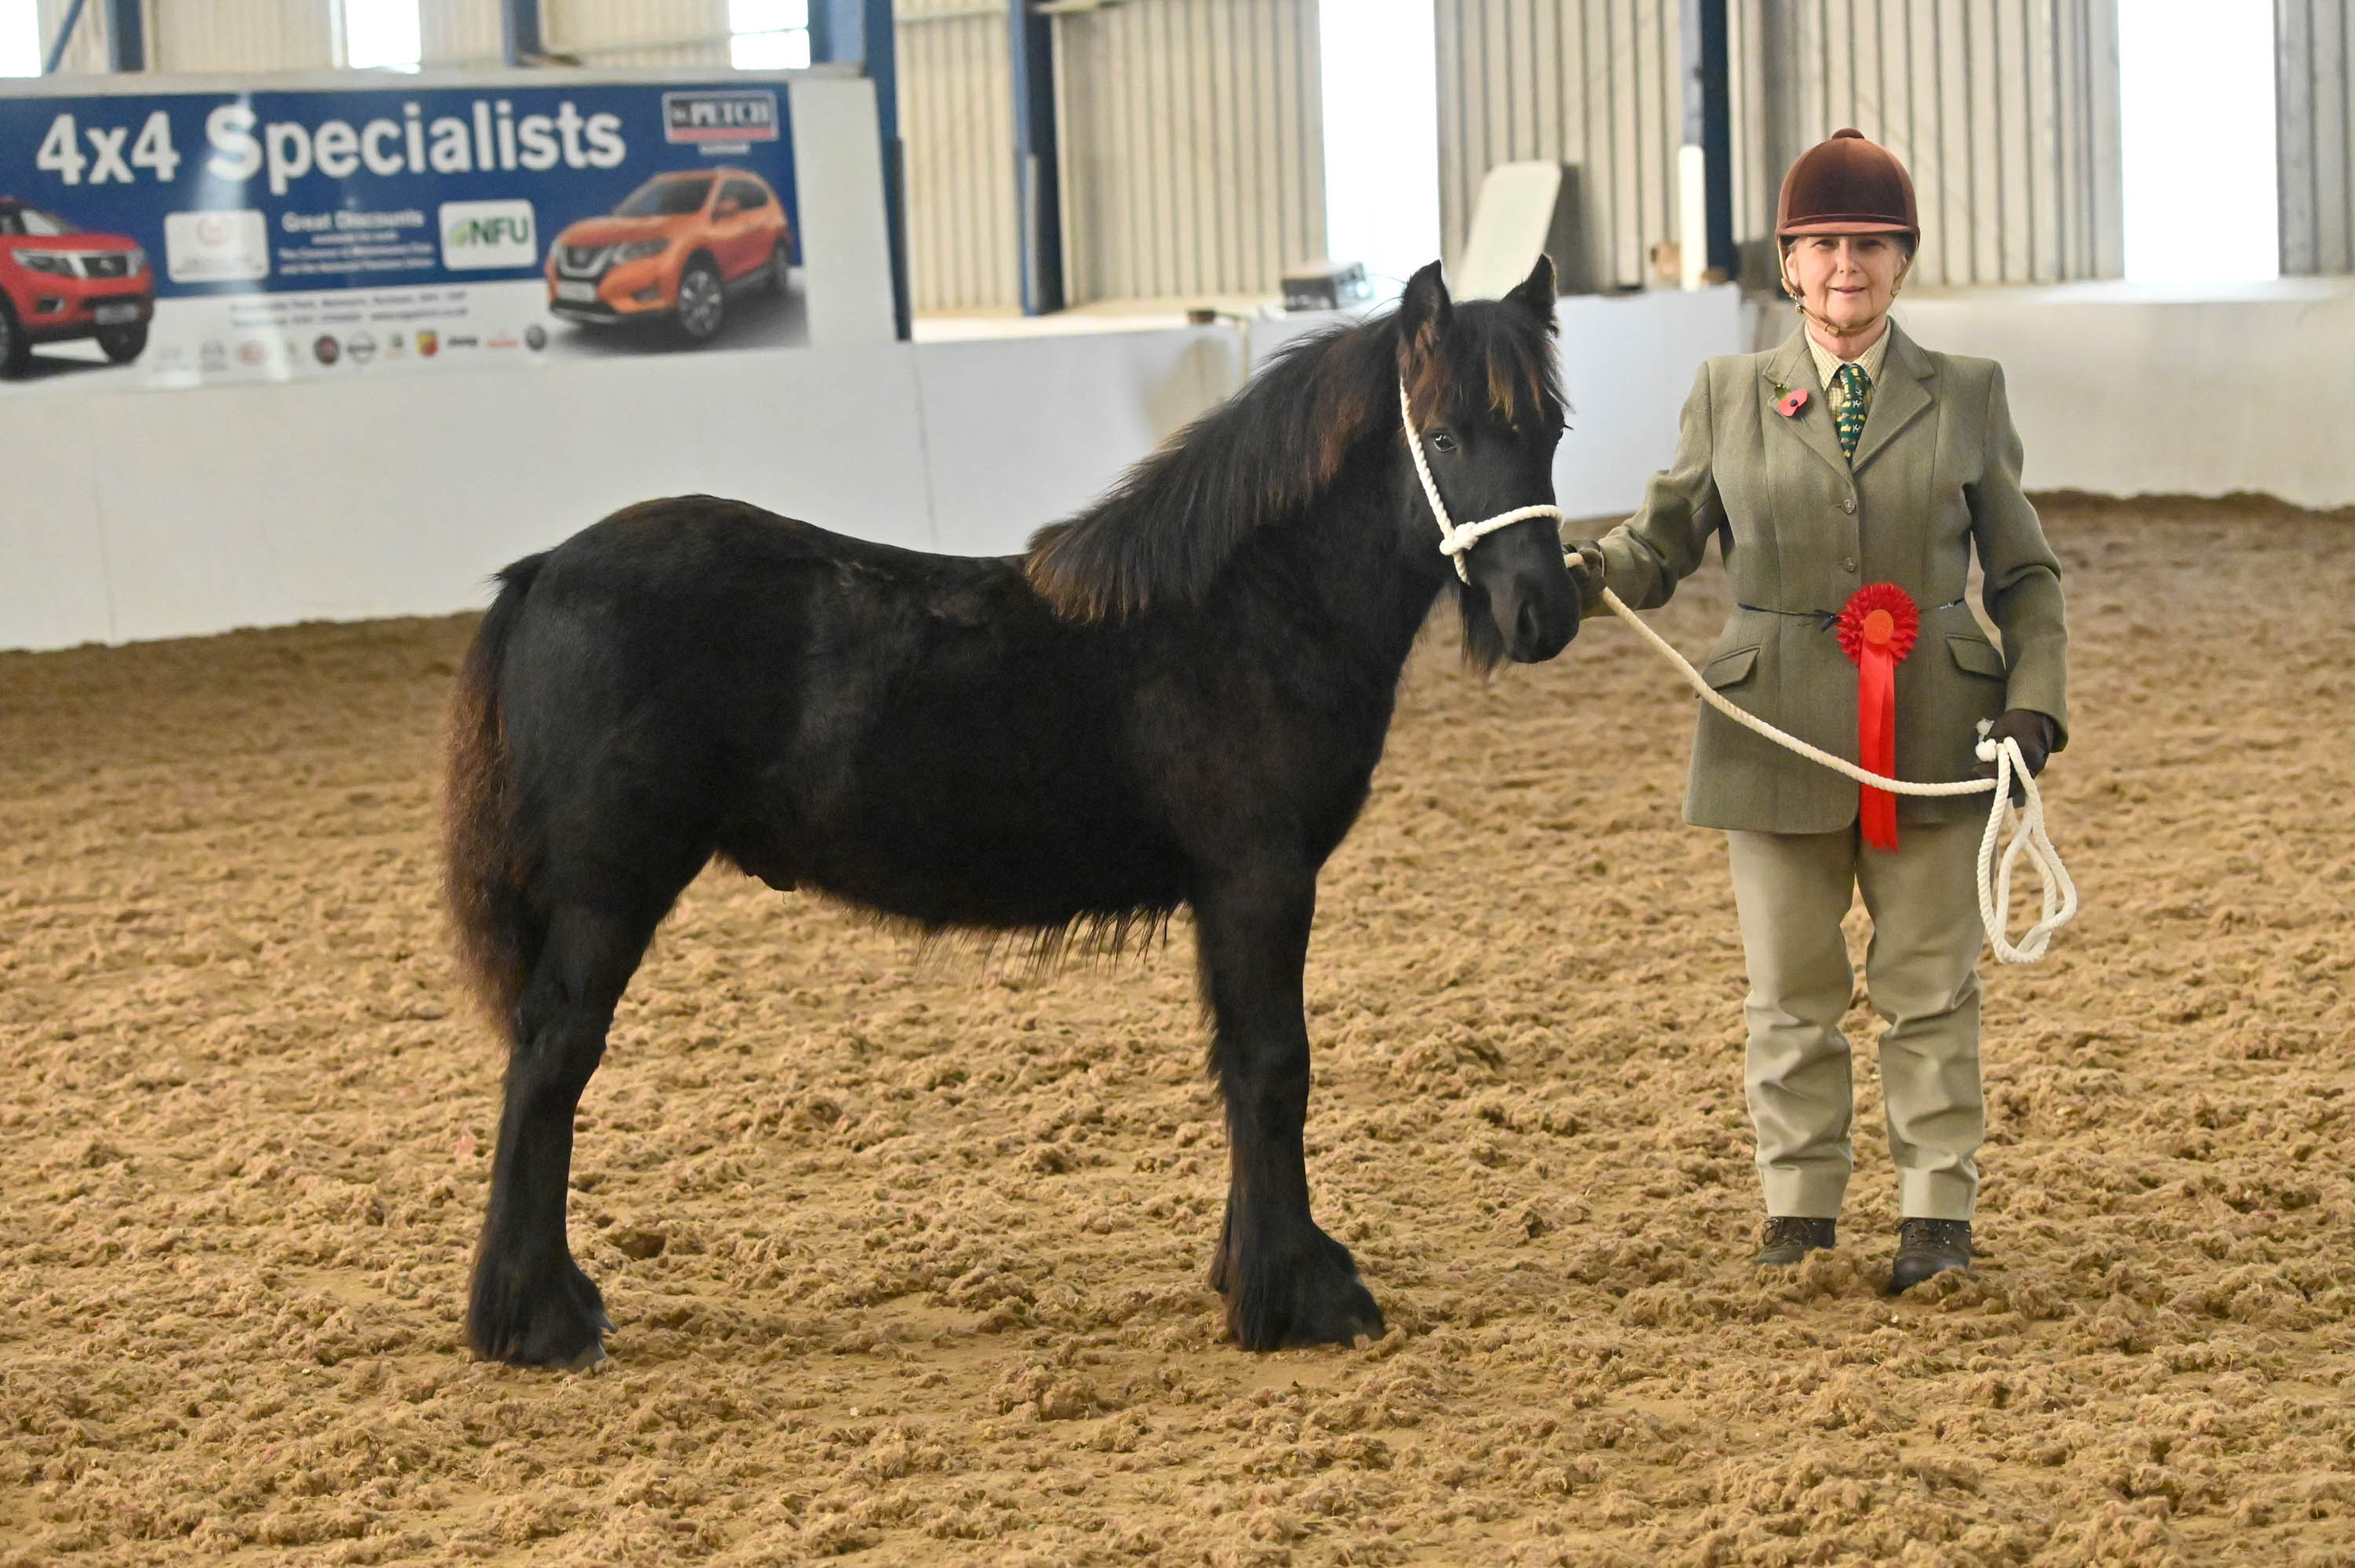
{"x":1897,"y":633}
{"x":1878,"y":627}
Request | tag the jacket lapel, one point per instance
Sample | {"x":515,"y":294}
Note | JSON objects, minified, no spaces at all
{"x":1903,"y":394}
{"x":1791,"y":366}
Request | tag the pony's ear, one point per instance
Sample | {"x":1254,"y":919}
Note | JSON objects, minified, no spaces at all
{"x":1535,"y":294}
{"x":1422,"y":317}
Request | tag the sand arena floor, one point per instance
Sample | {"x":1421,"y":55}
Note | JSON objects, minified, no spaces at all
{"x":906,"y":1247}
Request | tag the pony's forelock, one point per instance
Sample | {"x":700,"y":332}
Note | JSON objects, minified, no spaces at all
{"x":1515,"y":376}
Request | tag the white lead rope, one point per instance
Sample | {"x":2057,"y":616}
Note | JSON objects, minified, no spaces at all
{"x":1996,"y":859}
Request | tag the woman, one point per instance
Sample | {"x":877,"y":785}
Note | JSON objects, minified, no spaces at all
{"x":1849,"y":457}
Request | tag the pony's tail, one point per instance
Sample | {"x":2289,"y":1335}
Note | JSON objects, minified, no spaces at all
{"x":485,"y":872}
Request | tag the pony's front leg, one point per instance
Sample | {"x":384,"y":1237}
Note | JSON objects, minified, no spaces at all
{"x":1284,"y":1280}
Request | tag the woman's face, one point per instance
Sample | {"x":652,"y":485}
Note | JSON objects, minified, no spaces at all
{"x":1848,"y":281}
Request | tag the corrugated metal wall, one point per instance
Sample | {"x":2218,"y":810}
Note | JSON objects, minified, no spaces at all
{"x":1192,"y":142}
{"x":298,"y":34}
{"x":2005,"y":110}
{"x":601,"y":32}
{"x":1192,"y":148}
{"x":88,"y":50}
{"x":460,"y":32}
{"x":638,"y":32}
{"x":1597,"y":83}
{"x":205,"y":35}
{"x":2314,"y":45}
{"x":956,"y":123}
{"x":240,"y":35}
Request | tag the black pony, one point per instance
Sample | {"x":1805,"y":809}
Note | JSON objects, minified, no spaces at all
{"x":1175,"y":697}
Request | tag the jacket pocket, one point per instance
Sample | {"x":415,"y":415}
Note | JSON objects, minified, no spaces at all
{"x":1978,"y":656}
{"x":1730,"y":669}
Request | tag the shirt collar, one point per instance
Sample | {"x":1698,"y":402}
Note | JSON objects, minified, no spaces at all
{"x":1827,"y":364}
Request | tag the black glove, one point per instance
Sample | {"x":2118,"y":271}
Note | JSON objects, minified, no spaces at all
{"x":1584,"y":559}
{"x":2035,"y":732}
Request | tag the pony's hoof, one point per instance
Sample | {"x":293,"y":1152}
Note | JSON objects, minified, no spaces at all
{"x":1347,"y":1315}
{"x":1312,"y":1296}
{"x":555,"y":1319}
{"x":586,"y":1361}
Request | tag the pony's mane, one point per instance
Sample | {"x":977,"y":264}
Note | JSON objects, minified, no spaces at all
{"x":1163,"y":534}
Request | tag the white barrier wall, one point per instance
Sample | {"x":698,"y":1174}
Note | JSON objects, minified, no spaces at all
{"x":168,"y":513}
{"x":132,"y":516}
{"x":2128,"y":390}
{"x":1022,"y":430}
{"x":138,"y":515}
{"x":1627,"y":364}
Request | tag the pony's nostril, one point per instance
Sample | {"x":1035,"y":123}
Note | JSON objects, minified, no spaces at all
{"x":1527,"y":626}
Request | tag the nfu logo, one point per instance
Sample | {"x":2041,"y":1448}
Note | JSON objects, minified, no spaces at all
{"x":478,"y":234}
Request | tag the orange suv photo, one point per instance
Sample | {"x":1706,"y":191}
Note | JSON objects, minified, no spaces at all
{"x":674,"y":248}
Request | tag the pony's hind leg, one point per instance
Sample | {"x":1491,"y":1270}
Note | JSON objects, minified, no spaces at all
{"x":530,"y":1303}
{"x":1284,"y":1280}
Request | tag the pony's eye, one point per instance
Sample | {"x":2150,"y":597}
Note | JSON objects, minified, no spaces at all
{"x":1441,"y":441}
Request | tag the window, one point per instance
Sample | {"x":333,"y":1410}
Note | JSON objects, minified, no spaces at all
{"x":2202,"y":192}
{"x":1381,"y":82}
{"x":17,"y":219}
{"x":665,"y":196}
{"x":744,"y":193}
{"x":768,"y":35}
{"x":381,"y":34}
{"x":20,"y":37}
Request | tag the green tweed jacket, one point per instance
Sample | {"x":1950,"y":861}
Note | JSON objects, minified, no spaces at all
{"x":1937,"y":475}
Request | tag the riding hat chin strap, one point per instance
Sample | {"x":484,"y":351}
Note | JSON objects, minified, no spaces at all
{"x":1454,"y":543}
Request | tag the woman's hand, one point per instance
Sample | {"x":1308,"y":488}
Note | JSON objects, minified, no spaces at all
{"x":1584,"y":559}
{"x":2035,"y":732}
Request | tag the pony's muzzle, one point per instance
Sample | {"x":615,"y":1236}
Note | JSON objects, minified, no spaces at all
{"x":1537,"y":614}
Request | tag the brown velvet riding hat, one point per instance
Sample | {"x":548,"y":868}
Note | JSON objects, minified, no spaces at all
{"x":1847,"y":186}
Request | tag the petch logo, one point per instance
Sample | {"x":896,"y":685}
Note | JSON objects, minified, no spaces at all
{"x":478,"y":234}
{"x":749,"y":116}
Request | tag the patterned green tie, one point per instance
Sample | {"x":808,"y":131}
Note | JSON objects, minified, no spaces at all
{"x":1855,"y":388}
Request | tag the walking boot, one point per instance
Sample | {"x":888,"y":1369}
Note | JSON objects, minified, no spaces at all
{"x":1787,"y":1239}
{"x":1925,"y":1247}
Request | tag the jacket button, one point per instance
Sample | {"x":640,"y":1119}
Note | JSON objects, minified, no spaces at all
{"x":1848,"y":503}
{"x":1848,"y":563}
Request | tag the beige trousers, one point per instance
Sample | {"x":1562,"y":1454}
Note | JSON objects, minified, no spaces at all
{"x":1791,"y":891}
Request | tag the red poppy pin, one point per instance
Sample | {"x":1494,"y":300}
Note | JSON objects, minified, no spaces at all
{"x":1793,"y":402}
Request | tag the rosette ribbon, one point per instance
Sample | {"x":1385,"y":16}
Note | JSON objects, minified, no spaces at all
{"x":1877,"y":629}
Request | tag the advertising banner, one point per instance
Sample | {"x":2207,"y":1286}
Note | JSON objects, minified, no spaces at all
{"x":191,"y":238}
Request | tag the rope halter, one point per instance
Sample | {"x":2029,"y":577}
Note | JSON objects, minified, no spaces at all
{"x":1455,"y":543}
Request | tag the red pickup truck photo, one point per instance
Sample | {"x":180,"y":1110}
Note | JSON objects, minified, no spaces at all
{"x":59,"y":282}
